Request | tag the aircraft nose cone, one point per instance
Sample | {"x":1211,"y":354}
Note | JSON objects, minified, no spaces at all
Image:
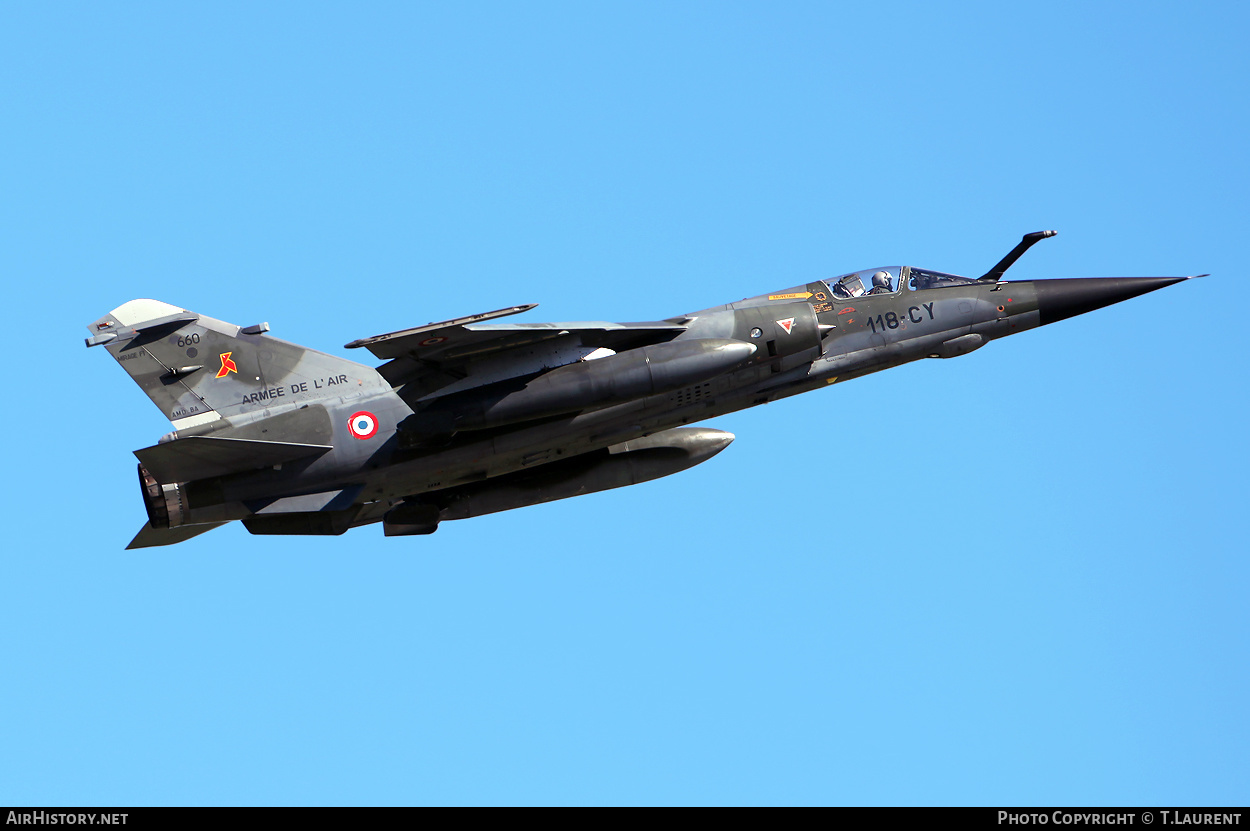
{"x":1060,"y":299}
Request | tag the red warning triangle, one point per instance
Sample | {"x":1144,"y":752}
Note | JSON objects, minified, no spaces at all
{"x":786,"y":324}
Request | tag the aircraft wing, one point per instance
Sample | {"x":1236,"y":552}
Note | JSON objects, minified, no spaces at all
{"x":199,"y":457}
{"x":149,"y":536}
{"x":451,"y":346}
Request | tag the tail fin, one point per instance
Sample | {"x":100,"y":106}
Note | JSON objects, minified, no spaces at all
{"x":197,"y":369}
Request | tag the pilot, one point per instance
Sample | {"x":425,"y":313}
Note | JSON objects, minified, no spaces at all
{"x":880,"y":283}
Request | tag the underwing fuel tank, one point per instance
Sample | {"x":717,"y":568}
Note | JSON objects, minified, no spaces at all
{"x":584,"y":385}
{"x":628,"y":463}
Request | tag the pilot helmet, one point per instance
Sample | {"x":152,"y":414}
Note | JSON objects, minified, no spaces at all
{"x":881,"y":280}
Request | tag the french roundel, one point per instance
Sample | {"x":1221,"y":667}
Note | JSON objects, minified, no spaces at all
{"x":363,"y":424}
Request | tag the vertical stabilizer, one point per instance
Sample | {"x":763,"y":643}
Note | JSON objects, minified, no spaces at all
{"x":197,"y":369}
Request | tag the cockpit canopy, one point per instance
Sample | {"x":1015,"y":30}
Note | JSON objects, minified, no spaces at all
{"x":860,"y":283}
{"x":922,"y":279}
{"x":886,"y":281}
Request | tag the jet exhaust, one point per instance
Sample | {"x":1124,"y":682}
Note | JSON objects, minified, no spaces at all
{"x":164,"y":503}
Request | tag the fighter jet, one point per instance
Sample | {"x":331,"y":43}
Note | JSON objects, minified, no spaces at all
{"x":467,"y":417}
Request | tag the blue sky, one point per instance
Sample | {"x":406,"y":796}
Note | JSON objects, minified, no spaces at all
{"x":1018,"y":577}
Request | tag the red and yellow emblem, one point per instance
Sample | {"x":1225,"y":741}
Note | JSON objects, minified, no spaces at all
{"x":227,"y":365}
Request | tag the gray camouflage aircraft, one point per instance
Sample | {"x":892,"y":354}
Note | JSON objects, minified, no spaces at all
{"x":467,"y":418}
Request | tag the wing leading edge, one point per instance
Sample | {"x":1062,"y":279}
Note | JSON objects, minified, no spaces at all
{"x":450,"y":347}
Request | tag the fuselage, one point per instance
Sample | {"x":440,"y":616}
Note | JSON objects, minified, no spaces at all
{"x":506,"y":432}
{"x":806,"y":337}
